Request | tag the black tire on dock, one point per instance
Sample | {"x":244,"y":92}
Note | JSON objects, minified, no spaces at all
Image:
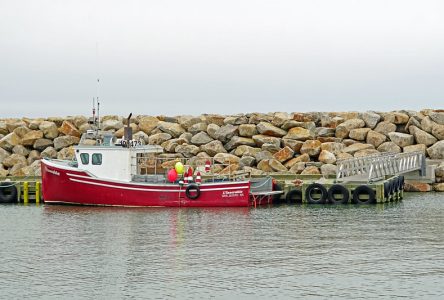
{"x":341,"y":190}
{"x":294,"y":196}
{"x":388,"y":189}
{"x":277,"y":198}
{"x":364,"y":190}
{"x":193,"y":191}
{"x":8,"y":192}
{"x":314,"y":189}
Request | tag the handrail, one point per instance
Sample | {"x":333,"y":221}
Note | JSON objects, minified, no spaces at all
{"x":375,"y":167}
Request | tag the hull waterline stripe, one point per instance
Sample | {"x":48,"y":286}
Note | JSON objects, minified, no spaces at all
{"x":155,"y":190}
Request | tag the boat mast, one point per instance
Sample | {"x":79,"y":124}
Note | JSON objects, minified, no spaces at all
{"x":98,"y":104}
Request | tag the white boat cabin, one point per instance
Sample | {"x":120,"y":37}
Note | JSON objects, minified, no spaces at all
{"x":110,"y":158}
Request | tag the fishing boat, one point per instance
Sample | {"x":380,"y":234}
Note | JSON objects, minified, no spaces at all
{"x":108,"y":171}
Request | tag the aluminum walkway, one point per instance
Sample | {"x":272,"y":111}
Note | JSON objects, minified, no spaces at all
{"x":376,"y":167}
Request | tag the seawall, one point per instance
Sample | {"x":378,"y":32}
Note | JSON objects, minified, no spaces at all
{"x":299,"y":143}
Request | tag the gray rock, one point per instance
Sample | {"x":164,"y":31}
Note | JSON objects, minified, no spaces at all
{"x":352,"y":149}
{"x":247,"y":130}
{"x":272,"y":148}
{"x":49,"y":152}
{"x":213,"y":148}
{"x":263,"y":155}
{"x":159,"y":138}
{"x":13,"y":124}
{"x":325,"y":132}
{"x":19,"y":149}
{"x":21,"y":131}
{"x":42,"y":144}
{"x":401,"y":139}
{"x":333,"y":147}
{"x":63,"y":141}
{"x":438,"y":131}
{"x":187,"y":150}
{"x":236,"y":120}
{"x":437,"y":117}
{"x":298,"y":168}
{"x":32,"y":136}
{"x":385,"y":128}
{"x":371,"y":119}
{"x":186,"y":136}
{"x":389,"y":147}
{"x":226,"y":158}
{"x":170,"y":145}
{"x":422,"y":137}
{"x":112,"y":125}
{"x":244,"y":150}
{"x":439,"y":171}
{"x":269,"y":129}
{"x":66,"y":153}
{"x":415,"y":148}
{"x":256,"y":118}
{"x":412,"y":122}
{"x":427,"y":124}
{"x":212,"y":129}
{"x":173,"y":129}
{"x":293,"y":144}
{"x":265,"y":139}
{"x":292,"y":123}
{"x":277,"y":166}
{"x":248,"y":161}
{"x":201,"y":138}
{"x":3,"y":128}
{"x":226,"y":132}
{"x":328,"y":169}
{"x":237,"y":141}
{"x":188,"y":121}
{"x":3,"y":154}
{"x":436,"y":151}
{"x":148,"y":123}
{"x":198,"y":127}
{"x":366,"y":152}
{"x":141,"y":136}
{"x":299,"y":133}
{"x":279,"y":118}
{"x":264,"y":165}
{"x":33,"y":156}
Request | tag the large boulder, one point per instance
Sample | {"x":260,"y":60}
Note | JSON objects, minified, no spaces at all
{"x":263,"y":155}
{"x":226,"y":132}
{"x":422,"y":137}
{"x":365,"y":152}
{"x":357,"y":147}
{"x":21,"y":131}
{"x":3,"y":128}
{"x":213,"y":148}
{"x":9,"y":141}
{"x":311,"y":147}
{"x":438,"y":131}
{"x":42,"y":144}
{"x":427,"y":124}
{"x":311,"y":170}
{"x":49,"y":129}
{"x":247,"y":130}
{"x":277,"y":166}
{"x":299,"y":133}
{"x":327,"y":157}
{"x":385,"y":128}
{"x":170,"y":145}
{"x":214,"y":119}
{"x":172,"y":128}
{"x":64,"y":141}
{"x":264,"y":165}
{"x":226,"y":158}
{"x":284,"y":154}
{"x":436,"y":151}
{"x":389,"y":147}
{"x":332,"y":147}
{"x":32,"y":136}
{"x":244,"y":150}
{"x":49,"y":152}
{"x":187,"y":150}
{"x":343,"y":129}
{"x":212,"y":129}
{"x":148,"y":124}
{"x":279,"y":118}
{"x":159,"y":138}
{"x":328,"y":169}
{"x":301,"y":158}
{"x":236,"y":120}
{"x":293,"y":144}
{"x":401,"y":139}
{"x":68,"y":128}
{"x":265,"y":139}
{"x":325,"y":132}
{"x":371,"y":119}
{"x":415,"y":148}
{"x":187,"y":121}
{"x":3,"y":154}
{"x":19,"y":149}
{"x":198,"y":127}
{"x":359,"y":134}
{"x":375,"y":138}
{"x":33,"y":156}
{"x":237,"y":141}
{"x":437,"y":117}
{"x":201,"y":138}
{"x":292,"y":123}
{"x":11,"y":125}
{"x":66,"y":153}
{"x":269,"y":129}
{"x":14,"y":159}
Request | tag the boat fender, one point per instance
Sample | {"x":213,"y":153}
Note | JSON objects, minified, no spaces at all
{"x":316,"y":188}
{"x":388,"y":189}
{"x":294,"y":196}
{"x":193,"y":191}
{"x":335,"y":190}
{"x":8,"y":192}
{"x":361,"y":190}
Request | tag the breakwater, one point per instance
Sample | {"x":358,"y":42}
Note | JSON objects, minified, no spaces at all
{"x":296,"y":143}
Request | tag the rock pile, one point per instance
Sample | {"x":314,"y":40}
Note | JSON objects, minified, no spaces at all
{"x":302,"y":143}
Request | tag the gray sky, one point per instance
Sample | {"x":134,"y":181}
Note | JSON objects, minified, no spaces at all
{"x":233,"y":56}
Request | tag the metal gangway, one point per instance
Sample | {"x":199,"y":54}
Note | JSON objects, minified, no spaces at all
{"x":376,"y":167}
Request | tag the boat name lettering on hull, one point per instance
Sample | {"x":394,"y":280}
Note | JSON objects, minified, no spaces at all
{"x":227,"y":194}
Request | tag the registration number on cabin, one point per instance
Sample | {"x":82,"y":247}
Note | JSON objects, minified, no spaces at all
{"x":130,"y":143}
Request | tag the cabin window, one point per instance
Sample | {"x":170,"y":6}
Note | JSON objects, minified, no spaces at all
{"x":96,"y":159}
{"x":84,"y":157}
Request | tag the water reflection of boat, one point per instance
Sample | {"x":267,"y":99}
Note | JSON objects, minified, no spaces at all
{"x":111,"y":172}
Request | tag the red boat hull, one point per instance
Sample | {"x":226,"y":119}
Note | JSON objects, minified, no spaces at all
{"x":73,"y":186}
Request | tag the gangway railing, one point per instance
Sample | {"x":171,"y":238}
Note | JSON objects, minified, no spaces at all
{"x":376,"y":167}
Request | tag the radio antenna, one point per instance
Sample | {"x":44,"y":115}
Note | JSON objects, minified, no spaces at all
{"x":98,"y":103}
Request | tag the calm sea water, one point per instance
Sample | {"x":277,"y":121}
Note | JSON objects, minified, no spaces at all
{"x":283,"y":252}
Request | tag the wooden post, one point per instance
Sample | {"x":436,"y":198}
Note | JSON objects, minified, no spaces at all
{"x":25,"y":192}
{"x":37,"y":192}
